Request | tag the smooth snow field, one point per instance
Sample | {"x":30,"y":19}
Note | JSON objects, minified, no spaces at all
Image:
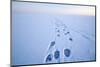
{"x":52,"y":33}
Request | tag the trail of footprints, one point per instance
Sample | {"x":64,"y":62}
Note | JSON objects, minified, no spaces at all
{"x":60,"y":29}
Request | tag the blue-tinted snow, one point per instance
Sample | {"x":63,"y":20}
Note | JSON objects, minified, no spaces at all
{"x":33,"y":32}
